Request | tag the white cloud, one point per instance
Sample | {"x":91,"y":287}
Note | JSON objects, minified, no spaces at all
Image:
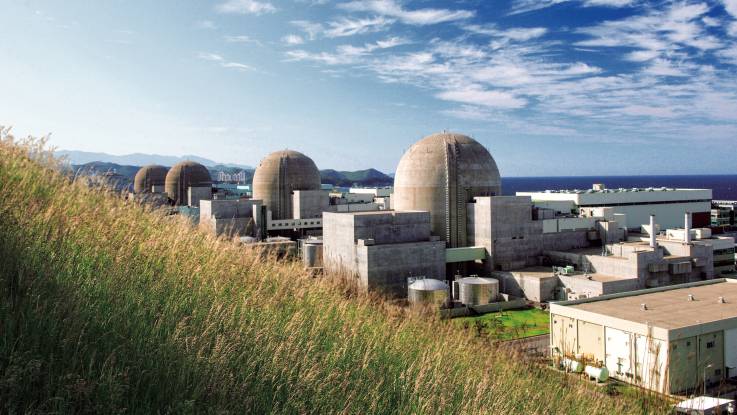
{"x":524,"y":6}
{"x":345,"y":54}
{"x":733,"y":29}
{"x":349,"y":27}
{"x":518,"y":34}
{"x":293,"y":40}
{"x":214,"y":57}
{"x":731,"y":7}
{"x":241,"y":39}
{"x":246,"y":7}
{"x":310,"y":28}
{"x":648,"y":111}
{"x":205,"y":24}
{"x":420,"y":17}
{"x":487,"y":98}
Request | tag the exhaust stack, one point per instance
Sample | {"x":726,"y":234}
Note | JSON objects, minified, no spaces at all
{"x":687,"y":229}
{"x":653,"y":242}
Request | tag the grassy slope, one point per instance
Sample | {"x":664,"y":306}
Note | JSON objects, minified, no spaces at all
{"x":510,"y":324}
{"x":106,"y":307}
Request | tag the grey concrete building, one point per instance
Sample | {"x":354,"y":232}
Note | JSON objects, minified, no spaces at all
{"x":228,"y":217}
{"x":382,"y":249}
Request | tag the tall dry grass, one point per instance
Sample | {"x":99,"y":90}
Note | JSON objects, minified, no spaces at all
{"x":110,"y":307}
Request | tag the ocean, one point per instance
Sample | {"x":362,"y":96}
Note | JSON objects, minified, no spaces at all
{"x":724,"y":187}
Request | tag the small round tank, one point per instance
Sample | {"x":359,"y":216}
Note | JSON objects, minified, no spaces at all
{"x":427,"y":291}
{"x":149,"y":177}
{"x":477,"y":291}
{"x":312,"y":253}
{"x":599,"y":374}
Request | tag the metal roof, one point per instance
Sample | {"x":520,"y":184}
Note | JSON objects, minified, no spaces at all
{"x":668,"y":308}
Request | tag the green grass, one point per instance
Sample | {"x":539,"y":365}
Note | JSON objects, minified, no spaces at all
{"x":509,"y":324}
{"x":110,"y":307}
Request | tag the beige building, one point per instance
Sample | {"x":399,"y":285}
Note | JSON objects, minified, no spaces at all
{"x":669,"y":339}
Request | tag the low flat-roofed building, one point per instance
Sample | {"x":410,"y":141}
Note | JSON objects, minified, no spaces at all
{"x":669,"y":339}
{"x":637,"y":204}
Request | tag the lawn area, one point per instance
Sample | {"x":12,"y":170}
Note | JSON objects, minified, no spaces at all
{"x":509,"y":324}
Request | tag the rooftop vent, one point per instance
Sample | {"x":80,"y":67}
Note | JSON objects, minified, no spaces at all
{"x":690,"y":297}
{"x":643,"y":307}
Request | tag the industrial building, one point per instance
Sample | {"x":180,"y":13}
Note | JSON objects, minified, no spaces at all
{"x":723,"y":213}
{"x":446,"y":219}
{"x":669,"y":205}
{"x":382,"y":249}
{"x":671,"y":339}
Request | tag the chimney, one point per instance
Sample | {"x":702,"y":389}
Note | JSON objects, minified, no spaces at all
{"x":653,"y":242}
{"x":687,"y":229}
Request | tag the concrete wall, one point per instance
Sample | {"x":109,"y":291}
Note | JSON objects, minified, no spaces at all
{"x":565,"y":241}
{"x":308,"y":204}
{"x":593,"y":288}
{"x":504,"y":226}
{"x":227,"y":217}
{"x":195,"y":194}
{"x":385,"y":268}
{"x":382,"y":249}
{"x":534,"y":288}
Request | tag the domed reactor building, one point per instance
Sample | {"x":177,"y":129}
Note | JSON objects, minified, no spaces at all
{"x":187,"y":183}
{"x":150,"y":179}
{"x":441,"y":174}
{"x":279,"y":175}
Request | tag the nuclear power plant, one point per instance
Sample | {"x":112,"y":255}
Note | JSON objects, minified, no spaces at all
{"x":446,"y":238}
{"x":446,"y":220}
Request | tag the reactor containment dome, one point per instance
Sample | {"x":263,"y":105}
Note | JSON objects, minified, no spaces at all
{"x":440,"y":174}
{"x":149,"y":176}
{"x":278,"y":175}
{"x":184,"y":175}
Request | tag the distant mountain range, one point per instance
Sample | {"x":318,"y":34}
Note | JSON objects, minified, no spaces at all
{"x":137,"y":159}
{"x":368,"y":178}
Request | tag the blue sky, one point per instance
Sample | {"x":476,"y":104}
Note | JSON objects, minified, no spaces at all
{"x":551,"y":87}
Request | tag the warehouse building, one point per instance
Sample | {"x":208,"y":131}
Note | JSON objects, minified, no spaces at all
{"x":670,"y":339}
{"x":669,"y":205}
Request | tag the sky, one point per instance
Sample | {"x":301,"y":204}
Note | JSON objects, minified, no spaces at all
{"x":550,"y":87}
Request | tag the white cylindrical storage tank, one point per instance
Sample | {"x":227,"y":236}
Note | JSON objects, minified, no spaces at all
{"x":477,"y":291}
{"x":427,"y":291}
{"x":572,"y":365}
{"x":312,"y":253}
{"x":600,"y":374}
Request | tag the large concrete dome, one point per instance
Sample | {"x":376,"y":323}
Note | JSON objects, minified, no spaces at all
{"x":184,"y":175}
{"x":149,"y":176}
{"x":278,"y":175}
{"x":440,"y":174}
